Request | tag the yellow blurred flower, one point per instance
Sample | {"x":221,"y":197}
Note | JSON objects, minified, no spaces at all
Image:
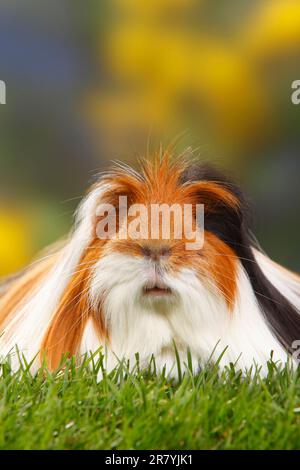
{"x":156,"y":59}
{"x":230,"y":93}
{"x":172,"y":67}
{"x":15,"y":244}
{"x":149,"y":7}
{"x":274,"y":28}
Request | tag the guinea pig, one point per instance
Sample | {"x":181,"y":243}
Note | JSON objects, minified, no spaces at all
{"x":131,"y":283}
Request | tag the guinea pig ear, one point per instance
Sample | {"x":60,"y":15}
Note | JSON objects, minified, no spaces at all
{"x":226,"y":209}
{"x":200,"y":172}
{"x":122,"y":181}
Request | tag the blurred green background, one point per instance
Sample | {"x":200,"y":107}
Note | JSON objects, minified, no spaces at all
{"x":88,"y":81}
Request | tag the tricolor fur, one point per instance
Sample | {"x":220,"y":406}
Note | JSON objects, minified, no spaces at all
{"x":94,"y":292}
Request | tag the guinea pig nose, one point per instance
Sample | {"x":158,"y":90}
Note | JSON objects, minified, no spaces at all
{"x":155,"y":253}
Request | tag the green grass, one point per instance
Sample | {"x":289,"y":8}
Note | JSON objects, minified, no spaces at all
{"x":70,"y":410}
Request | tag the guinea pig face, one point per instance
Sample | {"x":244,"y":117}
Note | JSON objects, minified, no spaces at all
{"x":153,"y":246}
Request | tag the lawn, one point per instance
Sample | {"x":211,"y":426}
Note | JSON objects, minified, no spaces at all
{"x":69,"y":409}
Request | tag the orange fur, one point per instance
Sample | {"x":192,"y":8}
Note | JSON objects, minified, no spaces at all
{"x":160,"y":183}
{"x":67,"y":325}
{"x":220,"y":262}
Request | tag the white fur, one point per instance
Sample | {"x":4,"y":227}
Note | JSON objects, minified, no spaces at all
{"x":196,"y":317}
{"x":284,"y":281}
{"x":27,"y":327}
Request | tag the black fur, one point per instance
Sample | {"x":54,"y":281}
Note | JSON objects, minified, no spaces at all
{"x":232,"y":226}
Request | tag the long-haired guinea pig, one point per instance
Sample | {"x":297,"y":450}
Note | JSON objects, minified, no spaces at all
{"x":118,"y":285}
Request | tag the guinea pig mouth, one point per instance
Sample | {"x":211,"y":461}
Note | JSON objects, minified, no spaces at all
{"x":157,"y":290}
